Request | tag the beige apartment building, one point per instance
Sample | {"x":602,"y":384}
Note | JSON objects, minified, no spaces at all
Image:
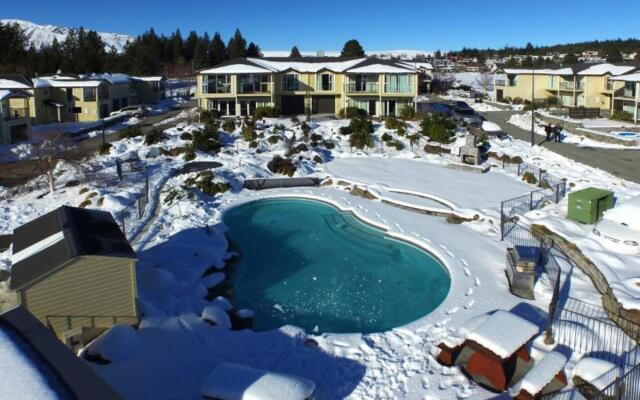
{"x":15,"y":116}
{"x":309,"y":85}
{"x":583,"y":85}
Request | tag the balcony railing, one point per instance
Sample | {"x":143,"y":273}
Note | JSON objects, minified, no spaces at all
{"x":254,"y":87}
{"x":398,"y":89}
{"x":212,"y":88}
{"x":500,"y":82}
{"x":324,"y":88}
{"x":362,"y":87}
{"x":571,"y":85}
{"x":16,"y":113}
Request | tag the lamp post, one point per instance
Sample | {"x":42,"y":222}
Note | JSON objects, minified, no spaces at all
{"x":533,"y":102}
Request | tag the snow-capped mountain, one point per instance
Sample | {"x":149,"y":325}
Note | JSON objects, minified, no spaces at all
{"x":402,"y":54}
{"x":41,"y":35}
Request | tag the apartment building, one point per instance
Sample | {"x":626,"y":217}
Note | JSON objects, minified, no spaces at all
{"x":316,"y":85}
{"x":626,"y":94}
{"x":15,"y":116}
{"x":581,"y":85}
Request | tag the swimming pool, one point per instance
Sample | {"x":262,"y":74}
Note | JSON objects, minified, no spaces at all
{"x":628,"y":135}
{"x":307,"y":264}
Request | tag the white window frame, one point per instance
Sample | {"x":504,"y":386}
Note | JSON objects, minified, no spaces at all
{"x":286,"y":82}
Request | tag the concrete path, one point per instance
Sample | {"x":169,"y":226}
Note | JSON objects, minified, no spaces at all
{"x":622,"y":163}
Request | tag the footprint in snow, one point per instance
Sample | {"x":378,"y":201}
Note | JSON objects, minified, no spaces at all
{"x":477,"y":281}
{"x":425,"y":383}
{"x":415,"y":234}
{"x":443,"y":247}
{"x":469,"y":292}
{"x":453,"y":310}
{"x":450,"y":254}
{"x":466,"y":271}
{"x":469,"y":304}
{"x":377,"y":215}
{"x":464,"y":262}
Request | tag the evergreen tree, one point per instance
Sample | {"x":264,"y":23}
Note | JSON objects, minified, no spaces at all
{"x":614,"y":55}
{"x":217,"y":50}
{"x":570,"y":58}
{"x":295,"y":53}
{"x":190,"y":46}
{"x":237,"y":46}
{"x":13,"y":43}
{"x":200,"y":59}
{"x":352,"y":48}
{"x":253,"y":51}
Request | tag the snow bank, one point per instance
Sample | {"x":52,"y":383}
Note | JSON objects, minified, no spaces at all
{"x":489,"y":126}
{"x":503,"y":333}
{"x":541,"y":374}
{"x":598,"y":372}
{"x":216,"y":316}
{"x":117,"y":344}
{"x":237,"y":382}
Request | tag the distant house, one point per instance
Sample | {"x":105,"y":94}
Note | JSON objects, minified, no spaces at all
{"x":15,"y":116}
{"x":74,"y":270}
{"x":626,"y":94}
{"x":34,"y":364}
{"x":149,"y":89}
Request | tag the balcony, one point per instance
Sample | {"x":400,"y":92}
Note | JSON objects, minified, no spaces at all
{"x":13,"y":114}
{"x":500,"y":82}
{"x":362,"y":87}
{"x":565,"y":85}
{"x":255,"y":87}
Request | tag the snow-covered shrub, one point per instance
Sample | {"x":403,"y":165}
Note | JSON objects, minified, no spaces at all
{"x":203,"y":141}
{"x":273,"y":139}
{"x":351,"y":112}
{"x":253,"y":144}
{"x":115,"y":345}
{"x":622,"y":116}
{"x":205,"y":182}
{"x":318,"y":159}
{"x":393,"y":123}
{"x":189,"y":154}
{"x":407,"y":112}
{"x":130,"y":132}
{"x":265,"y":112}
{"x":154,"y":136}
{"x":229,"y":125}
{"x":345,"y":130}
{"x":186,"y":136}
{"x":248,"y":133}
{"x":397,"y":144}
{"x":297,"y":149}
{"x":216,"y":316}
{"x":438,"y":128}
{"x":209,"y":116}
{"x":283,"y":166}
{"x":328,"y":145}
{"x":435,"y":149}
{"x":104,"y":149}
{"x":386,"y":137}
{"x":529,"y":178}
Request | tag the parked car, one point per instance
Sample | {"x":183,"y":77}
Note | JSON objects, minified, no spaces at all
{"x":462,"y":104}
{"x":619,"y":227}
{"x":132,"y":111}
{"x":435,"y":108}
{"x":466,"y":116}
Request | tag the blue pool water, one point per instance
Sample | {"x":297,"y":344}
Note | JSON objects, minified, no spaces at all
{"x":628,"y":134}
{"x":307,"y":264}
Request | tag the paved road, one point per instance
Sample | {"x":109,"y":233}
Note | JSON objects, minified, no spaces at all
{"x":622,"y":163}
{"x":17,"y":173}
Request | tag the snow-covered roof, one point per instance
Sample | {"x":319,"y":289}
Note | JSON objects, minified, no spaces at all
{"x":599,"y":373}
{"x":417,"y":64}
{"x":148,"y":78}
{"x":541,"y":374}
{"x":238,"y":382}
{"x":66,"y":82}
{"x":11,"y":84}
{"x":627,"y":78}
{"x":503,"y":333}
{"x":312,"y":65}
{"x":606,"y":68}
{"x":381,"y":69}
{"x":309,"y":65}
{"x":113,"y":79}
{"x":541,"y":71}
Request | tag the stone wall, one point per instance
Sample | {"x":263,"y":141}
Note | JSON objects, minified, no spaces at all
{"x":627,"y":320}
{"x":577,"y":128}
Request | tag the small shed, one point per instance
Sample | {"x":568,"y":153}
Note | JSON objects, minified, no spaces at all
{"x":74,"y":270}
{"x":521,"y":265}
{"x":588,"y":205}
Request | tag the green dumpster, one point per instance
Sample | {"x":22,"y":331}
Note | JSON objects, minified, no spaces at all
{"x":587,"y":205}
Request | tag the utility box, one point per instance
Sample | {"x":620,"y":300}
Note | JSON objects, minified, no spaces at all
{"x":588,"y":205}
{"x":522,"y":263}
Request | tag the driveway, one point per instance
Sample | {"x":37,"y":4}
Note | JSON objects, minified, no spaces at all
{"x":622,"y":163}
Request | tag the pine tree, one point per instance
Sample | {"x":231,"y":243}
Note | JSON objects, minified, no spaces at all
{"x":237,"y":46}
{"x":614,"y":55}
{"x":352,"y":48}
{"x":190,"y":46}
{"x":295,"y":53}
{"x":200,"y":59}
{"x":570,"y":58}
{"x":217,"y":50}
{"x":253,"y":51}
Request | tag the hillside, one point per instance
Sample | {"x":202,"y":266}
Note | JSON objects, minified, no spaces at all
{"x":41,"y":35}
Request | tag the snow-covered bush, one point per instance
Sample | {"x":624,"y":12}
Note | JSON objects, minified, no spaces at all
{"x":438,"y":128}
{"x":205,"y":182}
{"x":351,"y":112}
{"x":229,"y":125}
{"x":154,"y":136}
{"x":283,"y":166}
{"x":407,"y":112}
{"x":115,"y":345}
{"x":216,"y":316}
{"x":130,"y":132}
{"x":265,"y":112}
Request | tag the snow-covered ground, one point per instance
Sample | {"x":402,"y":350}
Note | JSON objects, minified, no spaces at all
{"x":174,"y":349}
{"x":524,"y":121}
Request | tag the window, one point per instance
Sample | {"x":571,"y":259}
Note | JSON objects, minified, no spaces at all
{"x":551,"y":81}
{"x":70,"y":96}
{"x":216,"y":84}
{"x":325,"y":82}
{"x":75,"y":110}
{"x":513,"y":80}
{"x":290,"y":82}
{"x":397,"y":83}
{"x":251,"y":83}
{"x":116,"y":104}
{"x":89,"y":94}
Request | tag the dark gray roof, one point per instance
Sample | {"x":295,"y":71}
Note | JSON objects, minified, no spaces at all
{"x":86,"y":233}
{"x":66,"y":374}
{"x":17,"y":78}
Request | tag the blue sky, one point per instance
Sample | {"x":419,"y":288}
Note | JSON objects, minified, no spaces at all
{"x":378,"y":25}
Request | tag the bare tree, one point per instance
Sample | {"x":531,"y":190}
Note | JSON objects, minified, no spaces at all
{"x":485,"y":81}
{"x":52,"y":149}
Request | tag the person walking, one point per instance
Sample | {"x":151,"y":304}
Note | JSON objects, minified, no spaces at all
{"x":548,"y":130}
{"x":557,"y":133}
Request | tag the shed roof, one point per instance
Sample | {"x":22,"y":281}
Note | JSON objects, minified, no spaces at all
{"x":51,"y":240}
{"x":591,"y":193}
{"x":35,"y":364}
